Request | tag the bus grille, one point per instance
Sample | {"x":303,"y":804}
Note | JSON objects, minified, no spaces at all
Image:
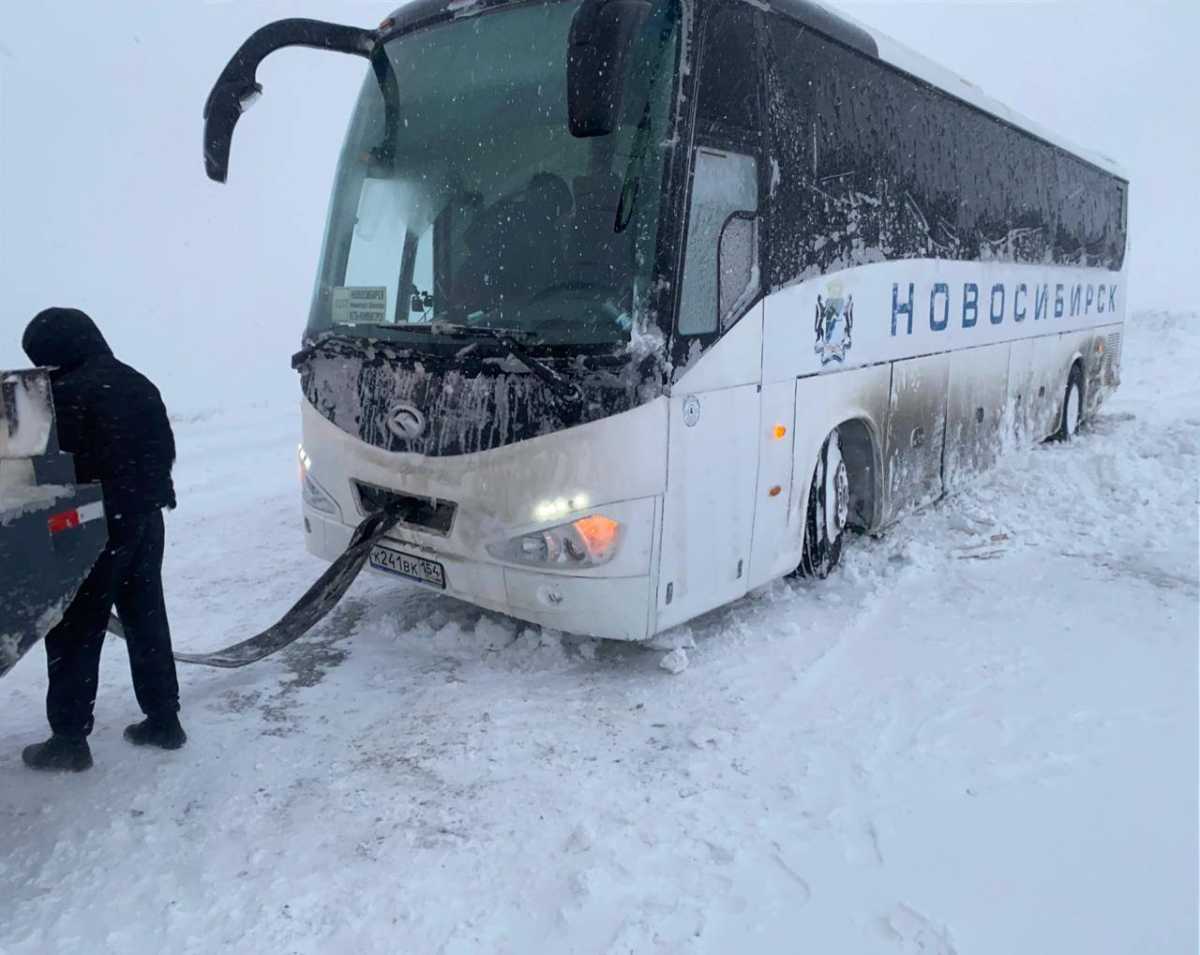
{"x":426,"y":513}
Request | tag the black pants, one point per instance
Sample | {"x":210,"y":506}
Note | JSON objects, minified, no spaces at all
{"x":128,"y":574}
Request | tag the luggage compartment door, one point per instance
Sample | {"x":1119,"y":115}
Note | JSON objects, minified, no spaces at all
{"x":916,"y":432}
{"x":975,"y":411}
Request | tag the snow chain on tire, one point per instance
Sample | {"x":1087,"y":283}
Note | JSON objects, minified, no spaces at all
{"x":1065,"y":431}
{"x":828,"y":508}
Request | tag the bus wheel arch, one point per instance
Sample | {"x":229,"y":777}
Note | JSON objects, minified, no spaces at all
{"x":864,"y":464}
{"x":842,"y":495}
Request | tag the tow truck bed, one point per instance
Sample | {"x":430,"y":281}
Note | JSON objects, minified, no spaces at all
{"x":51,"y":529}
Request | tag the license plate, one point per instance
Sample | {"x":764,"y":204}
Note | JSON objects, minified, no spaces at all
{"x":408,"y":565}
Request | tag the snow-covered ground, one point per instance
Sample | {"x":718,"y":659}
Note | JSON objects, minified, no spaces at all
{"x":979,"y":737}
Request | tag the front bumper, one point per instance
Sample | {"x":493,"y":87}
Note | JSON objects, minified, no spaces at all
{"x":610,"y":608}
{"x":615,"y":466}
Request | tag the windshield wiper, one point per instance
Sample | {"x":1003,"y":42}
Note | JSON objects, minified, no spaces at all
{"x":633,"y":176}
{"x":323,"y":342}
{"x":345,"y":338}
{"x":562,"y":387}
{"x":632,"y":180}
{"x":344,"y":343}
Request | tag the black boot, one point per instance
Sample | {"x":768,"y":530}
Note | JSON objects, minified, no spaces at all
{"x":163,"y":732}
{"x":59,"y":754}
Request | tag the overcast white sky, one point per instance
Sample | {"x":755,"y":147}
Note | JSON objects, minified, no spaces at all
{"x":104,"y":203}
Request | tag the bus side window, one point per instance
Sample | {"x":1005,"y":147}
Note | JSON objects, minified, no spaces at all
{"x":720,"y":272}
{"x":728,"y":81}
{"x":737,"y":267}
{"x":724,"y":195}
{"x":868,"y":165}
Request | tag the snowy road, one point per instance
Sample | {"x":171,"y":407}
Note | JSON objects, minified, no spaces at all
{"x":979,"y":737}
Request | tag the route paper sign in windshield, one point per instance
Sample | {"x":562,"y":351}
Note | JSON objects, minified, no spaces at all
{"x":360,"y":306}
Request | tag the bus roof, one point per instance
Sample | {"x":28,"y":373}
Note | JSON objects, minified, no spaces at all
{"x":844,"y":29}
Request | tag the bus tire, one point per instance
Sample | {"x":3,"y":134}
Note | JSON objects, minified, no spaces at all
{"x":827,"y":512}
{"x":1072,"y":406}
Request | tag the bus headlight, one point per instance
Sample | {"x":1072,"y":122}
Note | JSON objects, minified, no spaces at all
{"x":313,"y":494}
{"x":317,"y":497}
{"x":587,"y":542}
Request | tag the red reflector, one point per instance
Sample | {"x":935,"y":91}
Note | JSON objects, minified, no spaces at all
{"x":63,"y":521}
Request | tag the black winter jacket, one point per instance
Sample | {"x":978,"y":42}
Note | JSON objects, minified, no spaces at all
{"x":109,"y":416}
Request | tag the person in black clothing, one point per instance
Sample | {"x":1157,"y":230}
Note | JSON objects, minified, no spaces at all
{"x":113,"y":420}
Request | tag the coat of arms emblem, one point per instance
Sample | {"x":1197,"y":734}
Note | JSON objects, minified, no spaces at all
{"x":833,"y":324}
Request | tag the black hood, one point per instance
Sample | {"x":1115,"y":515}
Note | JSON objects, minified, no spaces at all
{"x":65,"y":337}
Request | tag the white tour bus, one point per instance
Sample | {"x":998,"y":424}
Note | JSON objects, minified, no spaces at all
{"x":636,"y":305}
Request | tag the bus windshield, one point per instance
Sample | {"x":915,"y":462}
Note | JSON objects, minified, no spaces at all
{"x":471,"y":205}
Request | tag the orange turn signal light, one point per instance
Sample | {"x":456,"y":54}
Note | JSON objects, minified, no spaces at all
{"x":779,"y":431}
{"x":598,"y":532}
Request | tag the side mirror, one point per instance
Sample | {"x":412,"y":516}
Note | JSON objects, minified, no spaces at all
{"x":602,"y":32}
{"x":237,"y":87}
{"x":737,"y":273}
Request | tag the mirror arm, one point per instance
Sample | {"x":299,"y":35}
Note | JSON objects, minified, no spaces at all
{"x":385,"y":76}
{"x":237,"y":87}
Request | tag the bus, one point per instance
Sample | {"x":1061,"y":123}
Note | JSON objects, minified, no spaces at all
{"x":634,"y":306}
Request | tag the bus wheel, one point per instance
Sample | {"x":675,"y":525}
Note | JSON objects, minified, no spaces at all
{"x":828,"y":509}
{"x":1072,"y":413}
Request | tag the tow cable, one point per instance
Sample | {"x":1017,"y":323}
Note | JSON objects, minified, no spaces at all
{"x":308,"y":611}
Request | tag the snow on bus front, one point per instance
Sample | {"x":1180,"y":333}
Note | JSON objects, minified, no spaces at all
{"x":468,"y":394}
